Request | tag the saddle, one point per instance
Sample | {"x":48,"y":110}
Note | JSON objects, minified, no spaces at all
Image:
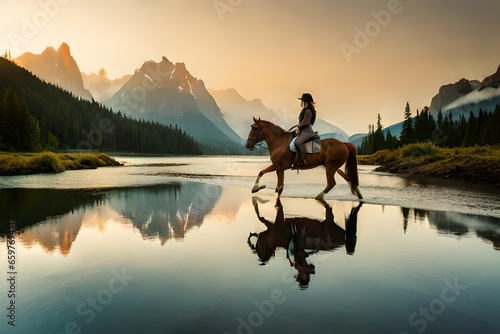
{"x":312,"y":145}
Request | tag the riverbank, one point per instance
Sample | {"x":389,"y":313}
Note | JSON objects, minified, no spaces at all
{"x":476,"y":164}
{"x":49,"y":162}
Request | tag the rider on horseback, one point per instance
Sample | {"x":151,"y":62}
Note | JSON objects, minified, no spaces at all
{"x":304,"y":129}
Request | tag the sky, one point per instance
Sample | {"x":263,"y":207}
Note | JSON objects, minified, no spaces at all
{"x":357,"y":58}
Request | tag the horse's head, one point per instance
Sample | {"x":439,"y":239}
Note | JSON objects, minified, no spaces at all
{"x":255,"y":135}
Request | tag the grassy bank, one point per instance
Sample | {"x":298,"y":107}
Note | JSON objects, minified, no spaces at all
{"x":49,"y":162}
{"x":477,"y":164}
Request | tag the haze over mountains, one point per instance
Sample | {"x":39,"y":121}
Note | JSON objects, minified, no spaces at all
{"x":459,"y":99}
{"x":168,"y":93}
{"x":100,"y":86}
{"x":238,"y":113}
{"x":36,"y":115}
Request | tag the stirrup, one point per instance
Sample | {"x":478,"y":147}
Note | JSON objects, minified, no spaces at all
{"x":294,"y":163}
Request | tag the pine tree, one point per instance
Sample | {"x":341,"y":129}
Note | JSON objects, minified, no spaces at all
{"x":407,"y":133}
{"x":391,"y":141}
{"x":440,"y":120}
{"x":52,"y":142}
{"x":419,"y":126}
{"x":470,"y":131}
{"x":378,"y":136}
{"x":431,"y":125}
{"x":20,"y":130}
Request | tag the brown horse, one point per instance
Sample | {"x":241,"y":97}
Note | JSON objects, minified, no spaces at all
{"x":333,"y":154}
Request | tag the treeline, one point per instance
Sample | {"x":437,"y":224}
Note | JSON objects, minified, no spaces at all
{"x":443,"y":130}
{"x":36,"y":115}
{"x":19,"y":130}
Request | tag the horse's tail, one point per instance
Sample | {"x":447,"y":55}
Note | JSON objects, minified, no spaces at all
{"x":351,"y":169}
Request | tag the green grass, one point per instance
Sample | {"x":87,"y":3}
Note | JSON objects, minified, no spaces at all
{"x":49,"y":162}
{"x":478,"y":163}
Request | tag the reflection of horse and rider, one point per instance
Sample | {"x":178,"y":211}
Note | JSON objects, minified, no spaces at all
{"x":330,"y":152}
{"x":301,"y":236}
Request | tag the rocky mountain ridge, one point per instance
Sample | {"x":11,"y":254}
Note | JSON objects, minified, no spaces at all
{"x":57,"y":67}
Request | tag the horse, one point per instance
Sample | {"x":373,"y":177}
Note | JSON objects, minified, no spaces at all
{"x":333,"y":154}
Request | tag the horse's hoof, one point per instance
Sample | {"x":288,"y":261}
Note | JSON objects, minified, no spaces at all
{"x":256,"y":199}
{"x":255,"y":189}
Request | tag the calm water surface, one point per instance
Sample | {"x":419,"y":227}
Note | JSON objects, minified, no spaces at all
{"x":180,"y":245}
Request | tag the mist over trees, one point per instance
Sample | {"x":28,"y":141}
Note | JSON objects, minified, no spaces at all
{"x":36,"y":115}
{"x":483,"y":129}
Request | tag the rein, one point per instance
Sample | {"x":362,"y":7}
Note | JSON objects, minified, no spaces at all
{"x":269,"y":139}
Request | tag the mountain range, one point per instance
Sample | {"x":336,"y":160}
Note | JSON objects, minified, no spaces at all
{"x":51,"y":118}
{"x":57,"y":67}
{"x":457,"y":99}
{"x":167,"y":93}
{"x":239,"y":112}
{"x":100,"y":86}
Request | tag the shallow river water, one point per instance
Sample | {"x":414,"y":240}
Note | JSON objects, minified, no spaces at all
{"x":180,"y":245}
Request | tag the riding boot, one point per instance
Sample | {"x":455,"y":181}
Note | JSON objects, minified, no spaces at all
{"x":303,"y":156}
{"x":295,"y":163}
{"x":299,"y":161}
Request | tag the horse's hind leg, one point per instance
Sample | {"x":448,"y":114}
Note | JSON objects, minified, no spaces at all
{"x":344,"y":175}
{"x":354,"y":189}
{"x":256,"y":186}
{"x":330,"y":182}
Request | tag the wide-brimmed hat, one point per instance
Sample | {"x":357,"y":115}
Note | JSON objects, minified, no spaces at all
{"x":306,"y":97}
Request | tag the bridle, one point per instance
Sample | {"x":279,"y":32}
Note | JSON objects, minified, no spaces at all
{"x":260,"y":137}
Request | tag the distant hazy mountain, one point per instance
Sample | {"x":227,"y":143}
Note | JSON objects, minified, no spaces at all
{"x":485,"y":99}
{"x":357,"y":138}
{"x":451,"y":92}
{"x":239,"y":112}
{"x":84,"y":125}
{"x":100,"y":86}
{"x":459,"y":99}
{"x":169,"y":94}
{"x":57,"y":67}
{"x":328,"y":130}
{"x":492,"y":81}
{"x":465,"y":96}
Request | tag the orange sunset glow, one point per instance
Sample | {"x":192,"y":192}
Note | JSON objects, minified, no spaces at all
{"x":358,"y":58}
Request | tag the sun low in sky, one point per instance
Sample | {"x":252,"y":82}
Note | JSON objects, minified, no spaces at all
{"x":357,"y":58}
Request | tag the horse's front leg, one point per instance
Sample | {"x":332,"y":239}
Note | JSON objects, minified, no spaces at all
{"x":256,"y":186}
{"x":281,"y":179}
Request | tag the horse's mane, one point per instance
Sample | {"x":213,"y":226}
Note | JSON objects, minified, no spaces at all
{"x":273,"y":127}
